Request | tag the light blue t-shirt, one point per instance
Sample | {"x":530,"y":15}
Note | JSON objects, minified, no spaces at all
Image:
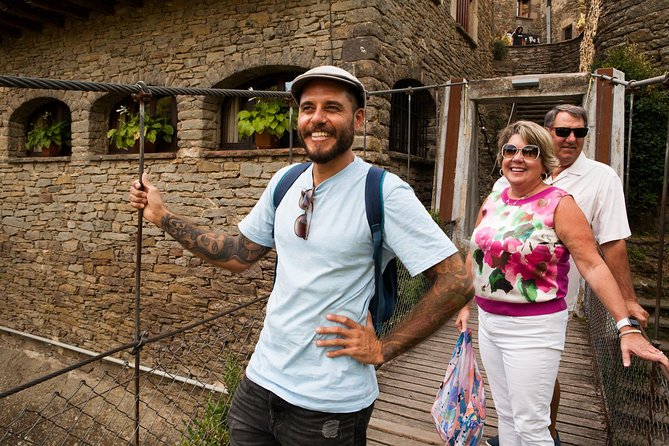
{"x":330,"y":272}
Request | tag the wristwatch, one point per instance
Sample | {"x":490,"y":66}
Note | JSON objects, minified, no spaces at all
{"x":627,"y":322}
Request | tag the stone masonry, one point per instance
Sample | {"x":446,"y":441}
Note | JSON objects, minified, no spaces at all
{"x":67,"y":234}
{"x":641,"y":22}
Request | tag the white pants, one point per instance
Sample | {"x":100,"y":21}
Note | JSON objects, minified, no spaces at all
{"x":521,"y":356}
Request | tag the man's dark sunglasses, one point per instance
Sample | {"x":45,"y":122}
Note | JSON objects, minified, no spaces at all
{"x":564,"y":132}
{"x":302,"y":221}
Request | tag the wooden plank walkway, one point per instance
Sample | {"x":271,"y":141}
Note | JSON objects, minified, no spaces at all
{"x":409,"y":385}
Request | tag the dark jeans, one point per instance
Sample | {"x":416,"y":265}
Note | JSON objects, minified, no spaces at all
{"x":258,"y":417}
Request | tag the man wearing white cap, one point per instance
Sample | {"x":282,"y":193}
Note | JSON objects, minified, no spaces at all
{"x":311,"y":379}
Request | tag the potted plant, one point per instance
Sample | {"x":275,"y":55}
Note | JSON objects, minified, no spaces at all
{"x":48,"y":135}
{"x":268,"y":120}
{"x":126,"y":135}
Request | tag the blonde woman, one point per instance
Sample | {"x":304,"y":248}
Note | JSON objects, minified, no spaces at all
{"x":519,"y":258}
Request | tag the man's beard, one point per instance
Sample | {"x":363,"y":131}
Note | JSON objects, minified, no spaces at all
{"x":343,"y":142}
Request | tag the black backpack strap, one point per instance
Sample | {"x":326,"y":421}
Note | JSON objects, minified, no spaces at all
{"x":287,"y":181}
{"x":374,"y":210}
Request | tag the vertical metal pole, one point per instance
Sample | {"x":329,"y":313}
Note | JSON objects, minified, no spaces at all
{"x":409,"y":138}
{"x":290,"y":133}
{"x":138,"y":268}
{"x":364,"y":136}
{"x":660,"y":251}
{"x":629,"y":147}
{"x":436,"y":120}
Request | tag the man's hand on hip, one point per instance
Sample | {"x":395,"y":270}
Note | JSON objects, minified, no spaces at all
{"x":355,"y":340}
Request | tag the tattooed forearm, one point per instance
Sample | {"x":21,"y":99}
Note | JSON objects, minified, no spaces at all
{"x":213,"y":247}
{"x":451,"y":289}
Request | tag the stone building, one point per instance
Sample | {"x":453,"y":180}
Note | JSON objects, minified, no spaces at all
{"x":640,"y":22}
{"x":66,"y":231}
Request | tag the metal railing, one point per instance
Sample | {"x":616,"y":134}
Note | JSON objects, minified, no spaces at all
{"x":184,"y":393}
{"x":636,"y":398}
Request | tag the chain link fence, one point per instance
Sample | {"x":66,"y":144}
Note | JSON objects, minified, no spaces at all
{"x":636,"y":398}
{"x":184,"y":396}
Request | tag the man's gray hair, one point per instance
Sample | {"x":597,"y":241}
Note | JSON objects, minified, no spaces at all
{"x":575,"y":110}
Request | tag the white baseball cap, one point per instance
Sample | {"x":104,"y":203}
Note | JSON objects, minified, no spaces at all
{"x":332,"y":73}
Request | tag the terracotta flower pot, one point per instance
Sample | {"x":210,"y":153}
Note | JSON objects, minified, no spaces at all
{"x":52,"y":150}
{"x":266,"y":141}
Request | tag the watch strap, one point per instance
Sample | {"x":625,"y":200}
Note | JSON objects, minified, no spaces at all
{"x":624,"y":322}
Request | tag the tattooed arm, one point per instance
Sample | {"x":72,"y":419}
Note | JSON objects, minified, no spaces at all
{"x":233,"y":252}
{"x":451,"y":289}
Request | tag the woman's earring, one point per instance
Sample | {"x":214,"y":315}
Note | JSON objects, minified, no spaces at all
{"x":544,"y":176}
{"x":501,"y":172}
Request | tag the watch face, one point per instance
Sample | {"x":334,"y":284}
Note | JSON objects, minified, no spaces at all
{"x":634,"y":322}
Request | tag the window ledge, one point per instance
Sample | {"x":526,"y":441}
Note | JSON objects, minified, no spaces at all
{"x":38,"y":159}
{"x":473,"y":43}
{"x":250,"y":153}
{"x":414,"y":158}
{"x":133,"y":156}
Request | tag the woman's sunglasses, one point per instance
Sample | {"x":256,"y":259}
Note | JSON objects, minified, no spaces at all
{"x":528,"y":152}
{"x":564,"y":132}
{"x":302,"y":220}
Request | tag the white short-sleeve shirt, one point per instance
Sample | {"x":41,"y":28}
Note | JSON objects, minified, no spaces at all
{"x":330,"y":272}
{"x":598,"y":191}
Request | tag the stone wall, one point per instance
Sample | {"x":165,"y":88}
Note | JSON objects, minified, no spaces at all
{"x":641,"y":22}
{"x":566,"y":13}
{"x":507,"y":20}
{"x":67,"y":235}
{"x":560,"y":57}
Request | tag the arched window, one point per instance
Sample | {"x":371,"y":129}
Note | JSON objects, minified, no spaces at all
{"x":411,"y":120}
{"x":159,"y":120}
{"x":230,"y":138}
{"x":48,"y":130}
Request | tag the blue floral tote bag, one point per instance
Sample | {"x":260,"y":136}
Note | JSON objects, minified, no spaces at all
{"x":459,"y":409}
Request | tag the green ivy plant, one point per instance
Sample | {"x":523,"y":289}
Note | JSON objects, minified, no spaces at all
{"x":271,"y":115}
{"x":46,"y":132}
{"x":155,"y":129}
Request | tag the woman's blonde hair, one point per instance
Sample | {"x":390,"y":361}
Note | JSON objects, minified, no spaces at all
{"x":533,"y":134}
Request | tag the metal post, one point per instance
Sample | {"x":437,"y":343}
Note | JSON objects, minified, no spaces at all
{"x":410,"y":93}
{"x":660,"y":251}
{"x":629,"y":148}
{"x":141,"y":97}
{"x":290,"y":133}
{"x":364,"y":136}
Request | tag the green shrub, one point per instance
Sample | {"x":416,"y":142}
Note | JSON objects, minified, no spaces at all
{"x":211,"y":429}
{"x":649,"y":130}
{"x":499,"y":48}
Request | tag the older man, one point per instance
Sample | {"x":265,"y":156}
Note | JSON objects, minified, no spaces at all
{"x":311,"y":378}
{"x":598,"y":191}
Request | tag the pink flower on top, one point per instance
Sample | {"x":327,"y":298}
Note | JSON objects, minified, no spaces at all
{"x":484,"y":237}
{"x":543,"y":210}
{"x":540,"y":266}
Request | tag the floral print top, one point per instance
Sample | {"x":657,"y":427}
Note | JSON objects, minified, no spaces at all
{"x":517,"y":257}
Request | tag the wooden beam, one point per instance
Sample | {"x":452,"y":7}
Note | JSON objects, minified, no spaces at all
{"x":73,"y":11}
{"x":11,"y":31}
{"x":24,"y":12}
{"x":604,"y":116}
{"x":102,"y":6}
{"x":451,"y":151}
{"x":8,"y":19}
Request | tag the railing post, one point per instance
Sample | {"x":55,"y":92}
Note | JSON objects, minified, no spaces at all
{"x":142,"y":97}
